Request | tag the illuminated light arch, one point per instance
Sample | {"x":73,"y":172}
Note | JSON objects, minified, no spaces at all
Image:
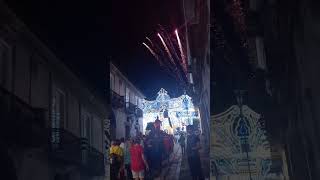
{"x":180,"y":110}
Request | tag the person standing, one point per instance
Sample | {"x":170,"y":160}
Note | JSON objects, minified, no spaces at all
{"x":182,"y":142}
{"x":138,"y":160}
{"x":193,"y":147}
{"x":127,"y":159}
{"x":157,"y":149}
{"x":116,"y":160}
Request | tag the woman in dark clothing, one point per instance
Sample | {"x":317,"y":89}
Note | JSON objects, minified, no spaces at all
{"x":193,"y":147}
{"x":182,"y":142}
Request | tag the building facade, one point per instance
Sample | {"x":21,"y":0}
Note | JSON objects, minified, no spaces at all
{"x":197,"y":31}
{"x":51,"y":123}
{"x":282,"y":43}
{"x":291,"y":34}
{"x":126,"y":100}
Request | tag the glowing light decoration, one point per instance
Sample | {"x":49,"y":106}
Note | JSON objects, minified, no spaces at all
{"x":239,"y":146}
{"x":181,"y":111}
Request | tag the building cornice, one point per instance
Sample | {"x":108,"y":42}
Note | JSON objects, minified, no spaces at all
{"x":116,"y":71}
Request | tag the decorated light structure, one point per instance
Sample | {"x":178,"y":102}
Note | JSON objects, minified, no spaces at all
{"x":172,"y":112}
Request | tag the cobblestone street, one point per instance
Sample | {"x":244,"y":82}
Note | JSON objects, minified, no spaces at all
{"x":178,"y":168}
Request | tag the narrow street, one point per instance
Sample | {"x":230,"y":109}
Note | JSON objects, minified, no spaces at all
{"x":172,"y":170}
{"x":184,"y":168}
{"x":177,"y":168}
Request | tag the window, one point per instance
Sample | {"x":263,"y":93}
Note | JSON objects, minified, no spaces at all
{"x":120,"y":87}
{"x":261,"y":61}
{"x":86,"y":130}
{"x":58,"y":109}
{"x":4,"y":63}
{"x":58,"y":115}
{"x":111,"y":81}
{"x":136,"y":102}
{"x":127,"y":97}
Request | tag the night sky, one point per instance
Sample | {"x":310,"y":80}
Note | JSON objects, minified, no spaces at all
{"x":83,"y":34}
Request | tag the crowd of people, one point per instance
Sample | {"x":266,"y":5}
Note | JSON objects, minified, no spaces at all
{"x":143,"y":156}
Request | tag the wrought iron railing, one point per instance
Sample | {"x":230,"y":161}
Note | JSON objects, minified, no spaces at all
{"x":64,"y":146}
{"x":130,"y":108}
{"x":69,"y":149}
{"x":139,"y":112}
{"x":117,"y":101}
{"x":93,"y":161}
{"x":22,"y":124}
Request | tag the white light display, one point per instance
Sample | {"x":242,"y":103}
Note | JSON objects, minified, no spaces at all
{"x":181,"y":111}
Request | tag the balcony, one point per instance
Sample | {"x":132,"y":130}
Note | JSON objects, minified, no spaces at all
{"x":22,"y":125}
{"x":64,"y":146}
{"x":139,"y":112}
{"x":117,"y":101}
{"x":130,"y":108}
{"x":68,"y":149}
{"x":92,"y":161}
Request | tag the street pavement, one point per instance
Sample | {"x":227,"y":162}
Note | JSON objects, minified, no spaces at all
{"x":205,"y":162}
{"x":178,"y":168}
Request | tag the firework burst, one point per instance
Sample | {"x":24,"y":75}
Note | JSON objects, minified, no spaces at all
{"x":173,"y":62}
{"x":183,"y":58}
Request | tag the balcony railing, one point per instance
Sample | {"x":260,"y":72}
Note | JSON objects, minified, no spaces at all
{"x":69,"y":149}
{"x":117,"y":101}
{"x":22,"y":124}
{"x":139,"y":112}
{"x":64,"y":146}
{"x":130,"y":108}
{"x":92,"y":161}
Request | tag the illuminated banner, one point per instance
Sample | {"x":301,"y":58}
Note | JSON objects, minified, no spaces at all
{"x":239,"y":146}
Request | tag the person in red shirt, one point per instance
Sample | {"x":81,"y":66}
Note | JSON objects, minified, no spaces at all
{"x":166,"y":142}
{"x":138,"y":160}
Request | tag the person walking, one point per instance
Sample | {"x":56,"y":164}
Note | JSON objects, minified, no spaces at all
{"x":193,"y":147}
{"x":116,"y":160}
{"x":182,"y":142}
{"x":138,"y":160}
{"x":157,"y":149}
{"x":127,"y":159}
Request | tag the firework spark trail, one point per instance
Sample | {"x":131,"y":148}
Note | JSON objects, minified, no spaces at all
{"x":181,"y":49}
{"x":169,"y":45}
{"x":172,"y":48}
{"x":151,"y":51}
{"x":150,"y":41}
{"x":159,"y":57}
{"x":166,"y":48}
{"x":154,"y":54}
{"x":162,"y":57}
{"x":168,"y":68}
{"x":179,"y":63}
{"x":180,"y":69}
